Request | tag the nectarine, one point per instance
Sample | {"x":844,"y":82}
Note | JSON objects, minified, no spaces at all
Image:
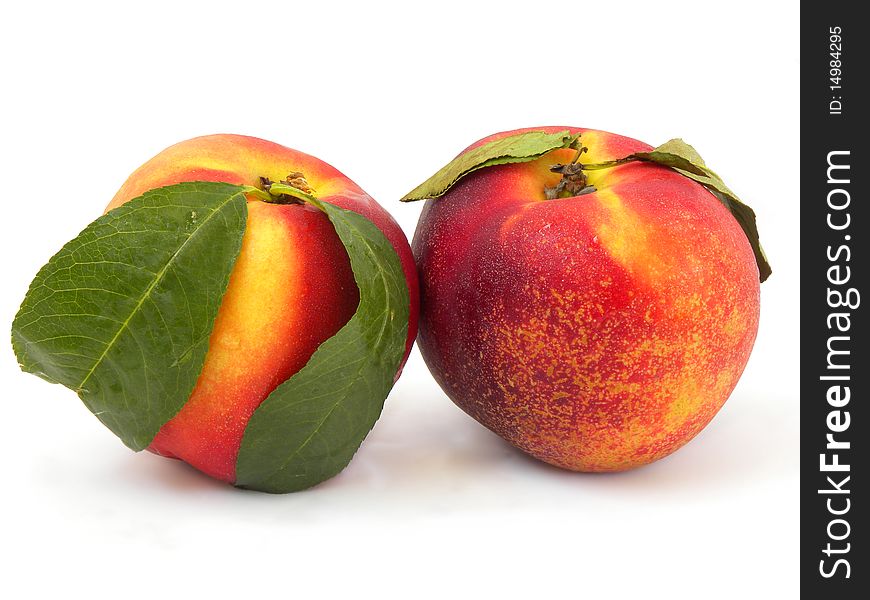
{"x":291,"y":287}
{"x":596,"y":332}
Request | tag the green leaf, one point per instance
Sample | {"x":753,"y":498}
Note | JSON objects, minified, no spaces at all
{"x":517,"y":148}
{"x":309,"y":428}
{"x":681,"y":154}
{"x":123,"y":313}
{"x":684,"y":159}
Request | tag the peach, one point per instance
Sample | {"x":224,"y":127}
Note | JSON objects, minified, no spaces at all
{"x":598,"y":332}
{"x":290,"y":289}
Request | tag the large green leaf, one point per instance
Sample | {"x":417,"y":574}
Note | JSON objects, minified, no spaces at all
{"x":309,"y":428}
{"x":123,"y":313}
{"x":516,"y":148}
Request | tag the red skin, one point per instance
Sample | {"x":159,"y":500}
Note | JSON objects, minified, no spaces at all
{"x":290,"y":290}
{"x":596,"y":333}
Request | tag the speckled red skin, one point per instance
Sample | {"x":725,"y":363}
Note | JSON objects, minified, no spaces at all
{"x":596,"y":333}
{"x":290,"y":290}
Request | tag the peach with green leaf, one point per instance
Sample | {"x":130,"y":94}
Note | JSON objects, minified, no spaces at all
{"x":241,"y":306}
{"x":587,"y":297}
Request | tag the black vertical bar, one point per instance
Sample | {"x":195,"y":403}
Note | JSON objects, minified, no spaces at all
{"x":835,"y":368}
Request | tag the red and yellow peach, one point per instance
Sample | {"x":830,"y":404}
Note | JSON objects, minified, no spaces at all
{"x":598,"y":332}
{"x":290,"y":289}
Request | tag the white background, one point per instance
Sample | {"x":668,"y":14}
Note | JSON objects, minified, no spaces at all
{"x":433,"y":505}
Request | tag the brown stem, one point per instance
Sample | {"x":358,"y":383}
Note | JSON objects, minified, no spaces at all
{"x":574,"y":181}
{"x":294,"y":189}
